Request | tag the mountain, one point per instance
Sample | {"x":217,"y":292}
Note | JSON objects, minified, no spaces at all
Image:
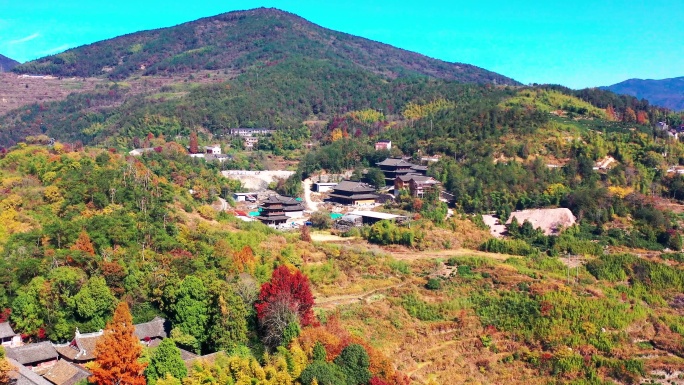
{"x":667,"y":93}
{"x":243,"y":39}
{"x":6,"y":64}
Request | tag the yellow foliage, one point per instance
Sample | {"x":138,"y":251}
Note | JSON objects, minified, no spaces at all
{"x":10,"y":182}
{"x":52,"y":194}
{"x":207,"y":212}
{"x":11,"y":202}
{"x":414,"y":111}
{"x":620,"y":192}
{"x":58,"y":147}
{"x":367,"y":116}
{"x":336,"y":135}
{"x":299,"y":358}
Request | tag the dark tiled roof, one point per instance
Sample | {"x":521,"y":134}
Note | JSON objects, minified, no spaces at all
{"x":416,"y":178}
{"x":186,"y":355}
{"x":27,"y":354}
{"x":274,"y":218}
{"x":157,"y":328}
{"x":355,"y":196}
{"x":297,"y":207}
{"x":350,"y":186}
{"x":419,"y":168}
{"x":393,"y":162}
{"x":65,"y":373}
{"x":6,"y":330}
{"x":23,"y":375}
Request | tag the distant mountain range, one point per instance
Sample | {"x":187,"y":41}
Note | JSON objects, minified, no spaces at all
{"x":242,"y":40}
{"x":6,"y":64}
{"x":667,"y":93}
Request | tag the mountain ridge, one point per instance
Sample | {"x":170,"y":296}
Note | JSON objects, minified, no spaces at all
{"x":239,"y":40}
{"x":667,"y":93}
{"x":7,"y":64}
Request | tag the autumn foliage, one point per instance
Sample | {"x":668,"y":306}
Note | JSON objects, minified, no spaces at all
{"x":118,"y":351}
{"x":291,"y":287}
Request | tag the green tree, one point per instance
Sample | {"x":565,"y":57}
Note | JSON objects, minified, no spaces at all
{"x":354,"y":362}
{"x":323,"y":373}
{"x":190,"y":312}
{"x":376,"y":177}
{"x":228,"y":320}
{"x":166,"y":359}
{"x":94,"y":303}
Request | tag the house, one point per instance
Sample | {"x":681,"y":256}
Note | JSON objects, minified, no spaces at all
{"x":21,"y":375}
{"x":10,"y":339}
{"x":662,"y":125}
{"x":433,"y":159}
{"x":34,"y":356}
{"x":241,"y":197}
{"x":66,"y":373}
{"x":383,"y":145}
{"x":250,"y":142}
{"x":353,"y":193}
{"x":151,"y":333}
{"x":214,"y":149}
{"x":393,"y":167}
{"x":417,"y":185}
{"x":81,"y":349}
{"x":272,"y":213}
{"x":292,"y":207}
{"x":322,"y":187}
{"x":140,"y":151}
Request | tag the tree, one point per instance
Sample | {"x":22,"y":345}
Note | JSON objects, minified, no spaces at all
{"x":194,"y":148}
{"x":5,"y":368}
{"x":117,"y":352}
{"x":228,"y":321}
{"x":376,"y":177}
{"x":324,"y":373}
{"x":190,"y":312}
{"x":84,"y":244}
{"x":354,"y":362}
{"x":630,"y":116}
{"x":284,"y":300}
{"x":166,"y":359}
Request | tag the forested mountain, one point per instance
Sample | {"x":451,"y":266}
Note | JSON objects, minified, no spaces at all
{"x":246,"y":39}
{"x":6,"y":64}
{"x":667,"y":93}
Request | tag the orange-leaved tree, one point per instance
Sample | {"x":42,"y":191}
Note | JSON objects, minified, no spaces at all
{"x":118,"y":351}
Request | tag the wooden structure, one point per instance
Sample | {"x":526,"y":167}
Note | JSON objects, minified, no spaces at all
{"x":353,"y":193}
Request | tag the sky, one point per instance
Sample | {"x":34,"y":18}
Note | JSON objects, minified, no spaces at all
{"x":581,"y":43}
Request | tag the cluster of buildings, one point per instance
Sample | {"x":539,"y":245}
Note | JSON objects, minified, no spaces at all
{"x":250,"y":136}
{"x":46,"y":363}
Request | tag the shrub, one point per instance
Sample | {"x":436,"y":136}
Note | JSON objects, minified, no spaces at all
{"x":433,"y":284}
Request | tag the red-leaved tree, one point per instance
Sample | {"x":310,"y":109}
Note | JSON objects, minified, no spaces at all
{"x":284,"y":299}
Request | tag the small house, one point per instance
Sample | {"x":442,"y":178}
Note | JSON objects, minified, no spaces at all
{"x":151,"y":333}
{"x":10,"y":339}
{"x":383,"y":145}
{"x":81,"y":349}
{"x":272,"y":213}
{"x":213,"y":149}
{"x":322,"y":187}
{"x":417,"y":185}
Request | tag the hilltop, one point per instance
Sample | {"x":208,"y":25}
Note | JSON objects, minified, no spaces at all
{"x":6,"y":64}
{"x":667,"y":93}
{"x":244,"y":39}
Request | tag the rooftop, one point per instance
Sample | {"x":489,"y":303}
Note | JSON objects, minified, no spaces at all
{"x":30,"y":353}
{"x":157,"y":328}
{"x":375,"y":214}
{"x":394,"y":162}
{"x":351,"y":186}
{"x":21,"y":375}
{"x":6,"y":330}
{"x":66,"y":373}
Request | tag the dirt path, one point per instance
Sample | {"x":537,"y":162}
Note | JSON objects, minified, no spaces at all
{"x":418,"y":255}
{"x":347,"y":299}
{"x":310,"y":204}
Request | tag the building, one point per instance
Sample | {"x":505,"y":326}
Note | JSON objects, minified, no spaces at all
{"x":322,"y":187}
{"x":66,"y":373}
{"x":372,"y":217}
{"x":353,"y":193}
{"x":271,"y":212}
{"x":214,"y":149}
{"x":292,"y":207}
{"x":251,"y":142}
{"x":21,"y":375}
{"x":81,"y":349}
{"x":151,"y":333}
{"x":10,"y":339}
{"x":34,"y":356}
{"x":417,"y":185}
{"x":383,"y":145}
{"x":140,"y":151}
{"x":393,"y":167}
{"x":250,"y":131}
{"x":241,"y":197}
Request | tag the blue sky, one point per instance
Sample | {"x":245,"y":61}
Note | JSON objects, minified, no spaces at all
{"x":578,"y":43}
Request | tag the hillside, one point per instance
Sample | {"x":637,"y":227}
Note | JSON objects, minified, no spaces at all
{"x":6,"y":64}
{"x":245,"y":39}
{"x":667,"y":93}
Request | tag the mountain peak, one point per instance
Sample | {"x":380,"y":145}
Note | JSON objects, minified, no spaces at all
{"x":667,"y":93}
{"x":240,"y":40}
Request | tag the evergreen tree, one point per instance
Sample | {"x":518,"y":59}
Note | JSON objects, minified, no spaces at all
{"x":228,"y":321}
